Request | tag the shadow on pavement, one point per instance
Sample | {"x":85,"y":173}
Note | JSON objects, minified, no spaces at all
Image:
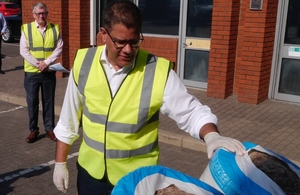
{"x":15,"y":68}
{"x":7,"y":179}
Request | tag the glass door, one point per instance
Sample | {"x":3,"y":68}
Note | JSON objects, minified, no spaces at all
{"x":287,"y":80}
{"x":195,"y":42}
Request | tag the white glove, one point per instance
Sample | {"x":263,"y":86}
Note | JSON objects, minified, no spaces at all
{"x":213,"y":141}
{"x":61,"y":176}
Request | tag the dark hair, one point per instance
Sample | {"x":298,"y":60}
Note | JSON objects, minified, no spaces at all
{"x":122,"y":12}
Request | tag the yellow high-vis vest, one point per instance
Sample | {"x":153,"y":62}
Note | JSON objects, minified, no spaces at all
{"x":40,"y":47}
{"x":120,"y":133}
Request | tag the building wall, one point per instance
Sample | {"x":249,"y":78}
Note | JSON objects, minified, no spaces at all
{"x":224,"y":36}
{"x":254,"y":51}
{"x":242,"y":42}
{"x":241,"y":52}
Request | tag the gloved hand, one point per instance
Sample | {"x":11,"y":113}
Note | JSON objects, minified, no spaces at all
{"x":213,"y":141}
{"x":61,"y":176}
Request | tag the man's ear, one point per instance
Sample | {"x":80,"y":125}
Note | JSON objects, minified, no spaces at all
{"x":103,"y":34}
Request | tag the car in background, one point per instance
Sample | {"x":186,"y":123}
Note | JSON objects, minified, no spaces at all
{"x":9,"y":8}
{"x":13,"y":31}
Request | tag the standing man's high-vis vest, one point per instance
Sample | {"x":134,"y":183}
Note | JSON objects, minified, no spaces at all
{"x":40,"y":47}
{"x":120,"y":133}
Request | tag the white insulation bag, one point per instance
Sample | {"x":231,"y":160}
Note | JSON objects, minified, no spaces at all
{"x":147,"y":180}
{"x":260,"y":171}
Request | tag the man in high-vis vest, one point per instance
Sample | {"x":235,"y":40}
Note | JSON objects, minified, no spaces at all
{"x":115,"y":93}
{"x":40,"y":46}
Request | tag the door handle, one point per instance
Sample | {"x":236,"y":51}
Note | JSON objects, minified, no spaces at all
{"x":186,"y":45}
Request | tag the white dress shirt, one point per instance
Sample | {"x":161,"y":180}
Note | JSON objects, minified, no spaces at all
{"x":189,"y":114}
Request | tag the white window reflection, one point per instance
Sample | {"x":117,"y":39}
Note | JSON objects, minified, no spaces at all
{"x":196,"y":65}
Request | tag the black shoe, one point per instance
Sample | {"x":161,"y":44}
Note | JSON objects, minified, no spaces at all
{"x":1,"y":72}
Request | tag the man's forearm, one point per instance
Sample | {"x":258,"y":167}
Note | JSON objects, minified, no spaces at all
{"x":62,"y":151}
{"x":207,"y":128}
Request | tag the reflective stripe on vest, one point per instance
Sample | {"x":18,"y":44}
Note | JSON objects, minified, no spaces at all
{"x":40,"y":47}
{"x":122,"y":129}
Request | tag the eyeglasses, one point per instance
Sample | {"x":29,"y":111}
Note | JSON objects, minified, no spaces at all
{"x":41,"y":14}
{"x":120,"y":44}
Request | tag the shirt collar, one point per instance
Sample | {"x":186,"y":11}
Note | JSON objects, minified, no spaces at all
{"x":37,"y":25}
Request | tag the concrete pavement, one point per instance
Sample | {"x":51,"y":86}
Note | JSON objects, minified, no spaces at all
{"x":27,"y":168}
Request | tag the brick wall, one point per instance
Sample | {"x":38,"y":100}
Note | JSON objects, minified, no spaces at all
{"x":241,"y":52}
{"x":255,"y":51}
{"x":224,"y":34}
{"x":162,"y":47}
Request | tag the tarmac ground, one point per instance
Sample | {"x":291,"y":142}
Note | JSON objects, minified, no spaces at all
{"x":27,"y":168}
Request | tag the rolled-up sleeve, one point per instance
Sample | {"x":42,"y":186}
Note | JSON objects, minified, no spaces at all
{"x":67,"y":127}
{"x":186,"y":110}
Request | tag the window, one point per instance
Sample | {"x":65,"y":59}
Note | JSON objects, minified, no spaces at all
{"x":292,"y":33}
{"x":199,"y":18}
{"x":196,"y":65}
{"x":160,"y":17}
{"x":290,"y":77}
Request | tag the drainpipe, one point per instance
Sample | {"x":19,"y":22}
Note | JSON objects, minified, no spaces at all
{"x":93,"y":23}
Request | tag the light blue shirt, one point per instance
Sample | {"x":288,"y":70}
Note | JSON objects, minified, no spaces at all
{"x":3,"y":23}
